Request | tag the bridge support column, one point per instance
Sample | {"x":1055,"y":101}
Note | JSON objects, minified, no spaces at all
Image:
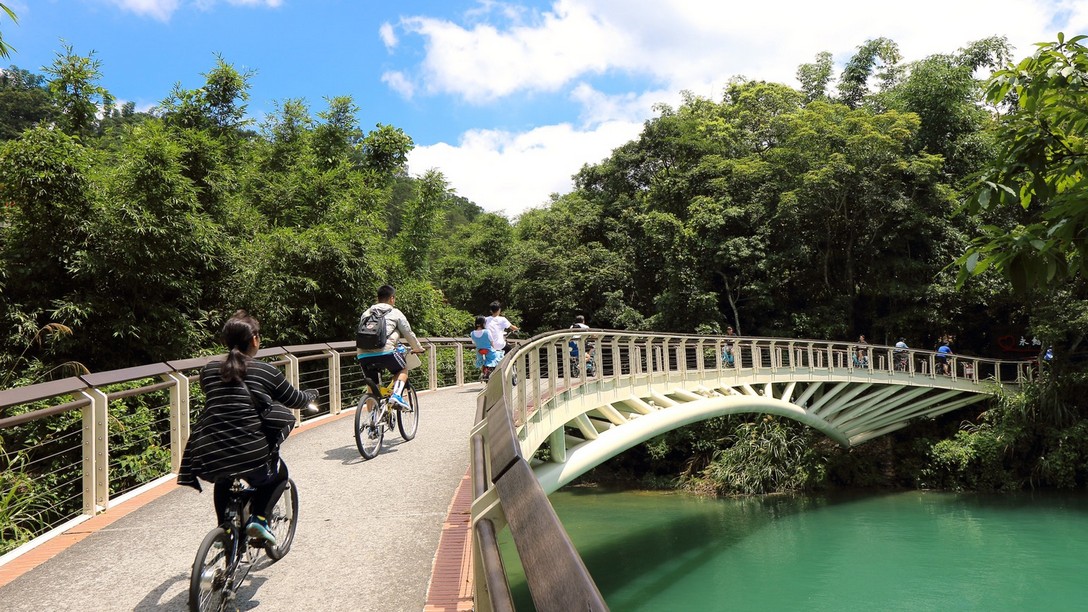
{"x":557,"y":444}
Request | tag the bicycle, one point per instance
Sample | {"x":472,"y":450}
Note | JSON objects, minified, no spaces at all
{"x":226,"y":555}
{"x":374,"y":415}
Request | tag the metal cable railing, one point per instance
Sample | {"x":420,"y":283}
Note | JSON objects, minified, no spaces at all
{"x":72,"y":448}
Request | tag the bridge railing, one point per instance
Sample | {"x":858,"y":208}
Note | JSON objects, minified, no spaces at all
{"x":72,"y":448}
{"x":543,"y":361}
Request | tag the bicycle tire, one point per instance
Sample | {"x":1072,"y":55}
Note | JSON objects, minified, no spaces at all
{"x":408,"y":418}
{"x":283,"y":519}
{"x":368,"y":431}
{"x":212,"y":573}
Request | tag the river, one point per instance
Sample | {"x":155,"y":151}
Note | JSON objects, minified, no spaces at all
{"x":874,"y":551}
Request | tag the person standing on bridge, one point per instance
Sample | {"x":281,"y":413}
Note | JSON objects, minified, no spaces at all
{"x":728,"y":356}
{"x":387,"y":356}
{"x":242,"y":425}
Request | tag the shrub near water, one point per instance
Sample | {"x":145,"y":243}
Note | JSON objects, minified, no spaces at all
{"x":770,"y":455}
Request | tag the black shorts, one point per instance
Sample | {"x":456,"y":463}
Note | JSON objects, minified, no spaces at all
{"x":392,"y":362}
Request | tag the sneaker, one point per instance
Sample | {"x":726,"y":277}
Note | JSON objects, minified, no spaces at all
{"x":258,"y":528}
{"x":398,"y":400}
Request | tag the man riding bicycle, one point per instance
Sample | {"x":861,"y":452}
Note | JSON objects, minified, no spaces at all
{"x":376,"y":346}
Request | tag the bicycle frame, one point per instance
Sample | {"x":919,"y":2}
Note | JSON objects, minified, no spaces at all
{"x":237,"y":515}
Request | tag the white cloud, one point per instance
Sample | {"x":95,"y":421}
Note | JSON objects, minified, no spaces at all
{"x":388,"y":36}
{"x":485,"y":62}
{"x":156,"y":9}
{"x":508,"y":173}
{"x":681,"y":42}
{"x":164,"y":9}
{"x":399,"y":83}
{"x":598,"y":107}
{"x":662,"y":47}
{"x":268,"y":3}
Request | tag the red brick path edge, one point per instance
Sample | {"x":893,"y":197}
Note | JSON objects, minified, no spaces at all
{"x":451,"y":574}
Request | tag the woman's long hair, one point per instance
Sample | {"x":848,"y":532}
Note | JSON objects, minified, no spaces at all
{"x":238,"y":334}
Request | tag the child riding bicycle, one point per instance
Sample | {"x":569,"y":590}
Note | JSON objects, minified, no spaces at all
{"x":487,"y":356}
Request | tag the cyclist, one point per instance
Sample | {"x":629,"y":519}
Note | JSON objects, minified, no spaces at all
{"x":244,"y":420}
{"x":487,"y":358}
{"x":943,"y":354}
{"x":901,"y":356}
{"x":498,"y":326}
{"x":387,"y":356}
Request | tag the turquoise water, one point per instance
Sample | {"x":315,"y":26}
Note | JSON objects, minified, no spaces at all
{"x":895,"y":551}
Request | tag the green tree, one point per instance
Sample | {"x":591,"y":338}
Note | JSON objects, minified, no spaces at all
{"x":815,"y":77}
{"x":47,"y":186}
{"x":76,"y":93}
{"x":471,"y":263}
{"x":6,"y":49}
{"x":154,"y":257}
{"x":420,"y":221}
{"x":24,"y":102}
{"x":943,"y":91}
{"x":1040,"y":165}
{"x":880,"y":55}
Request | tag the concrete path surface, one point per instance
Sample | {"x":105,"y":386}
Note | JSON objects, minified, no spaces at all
{"x":366,"y":539}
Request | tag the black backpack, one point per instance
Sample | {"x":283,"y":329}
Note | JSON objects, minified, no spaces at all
{"x":371,"y":333}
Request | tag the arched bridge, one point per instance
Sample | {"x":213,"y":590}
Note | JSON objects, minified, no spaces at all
{"x":87,"y":445}
{"x":643,"y":385}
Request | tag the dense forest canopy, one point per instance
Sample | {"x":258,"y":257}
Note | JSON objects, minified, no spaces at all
{"x":827,"y":211}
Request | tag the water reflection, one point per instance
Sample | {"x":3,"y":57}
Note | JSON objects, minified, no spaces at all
{"x":841,"y":551}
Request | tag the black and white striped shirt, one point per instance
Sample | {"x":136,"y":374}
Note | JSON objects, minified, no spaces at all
{"x":228,"y":438}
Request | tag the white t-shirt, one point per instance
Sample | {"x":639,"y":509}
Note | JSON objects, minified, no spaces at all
{"x":496,"y":326}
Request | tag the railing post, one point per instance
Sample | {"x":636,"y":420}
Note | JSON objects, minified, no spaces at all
{"x":432,"y":366}
{"x":555,"y":353}
{"x":459,"y":363}
{"x":291,"y":370}
{"x":179,"y":417}
{"x":336,"y":394}
{"x":292,"y":377}
{"x":533,"y":377}
{"x":96,"y":457}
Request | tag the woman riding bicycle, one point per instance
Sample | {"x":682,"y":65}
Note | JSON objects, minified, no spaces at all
{"x":243,"y":423}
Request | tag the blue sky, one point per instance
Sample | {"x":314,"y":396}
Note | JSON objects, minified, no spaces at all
{"x":507,"y":99}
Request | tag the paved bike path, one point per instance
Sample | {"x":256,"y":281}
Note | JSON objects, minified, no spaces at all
{"x":366,"y":538}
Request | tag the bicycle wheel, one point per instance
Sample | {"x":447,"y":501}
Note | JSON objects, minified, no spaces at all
{"x":282,"y":519}
{"x":368,"y":430}
{"x":408,"y":418}
{"x":210,"y":581}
